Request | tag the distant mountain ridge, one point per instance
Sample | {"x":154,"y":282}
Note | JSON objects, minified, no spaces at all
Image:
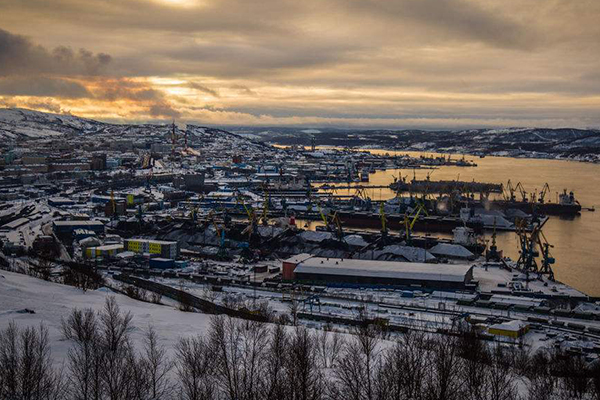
{"x":565,"y":143}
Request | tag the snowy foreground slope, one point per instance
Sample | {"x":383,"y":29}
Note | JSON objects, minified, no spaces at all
{"x":52,"y":301}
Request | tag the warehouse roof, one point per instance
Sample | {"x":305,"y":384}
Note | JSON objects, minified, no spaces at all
{"x":78,"y":223}
{"x":161,"y":242}
{"x":384,"y":269}
{"x":450,"y":250}
{"x":511,"y":326}
{"x":298,"y":258}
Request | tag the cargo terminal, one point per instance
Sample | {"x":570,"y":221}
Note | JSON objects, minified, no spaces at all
{"x":352,"y":272}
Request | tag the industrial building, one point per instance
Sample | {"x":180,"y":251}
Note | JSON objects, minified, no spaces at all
{"x":511,"y":329}
{"x":67,"y":227}
{"x":337,"y":271}
{"x":166,"y":249}
{"x":106,"y":251}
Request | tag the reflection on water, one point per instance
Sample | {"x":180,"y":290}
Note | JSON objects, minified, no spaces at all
{"x":575,"y":240}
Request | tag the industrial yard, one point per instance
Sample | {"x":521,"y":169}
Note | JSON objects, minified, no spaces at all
{"x":256,"y":231}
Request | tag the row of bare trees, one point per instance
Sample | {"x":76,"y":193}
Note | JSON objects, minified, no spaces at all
{"x":247,"y":360}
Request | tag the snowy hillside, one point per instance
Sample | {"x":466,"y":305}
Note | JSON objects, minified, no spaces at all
{"x":51,"y":302}
{"x":16,"y":123}
{"x":576,"y":144}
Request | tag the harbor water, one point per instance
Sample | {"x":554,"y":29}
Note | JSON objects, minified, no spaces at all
{"x":576,"y":240}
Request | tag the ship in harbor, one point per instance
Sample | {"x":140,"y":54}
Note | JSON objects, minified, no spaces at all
{"x":566,"y":205}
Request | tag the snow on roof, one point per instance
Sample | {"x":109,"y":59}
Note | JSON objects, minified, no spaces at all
{"x":78,"y":223}
{"x":315,"y":236}
{"x":384,"y":269}
{"x":450,"y":250}
{"x":525,"y":301}
{"x":588,"y":308}
{"x":412,"y":254}
{"x":512,"y":326}
{"x":355,"y":240}
{"x":298,"y":258}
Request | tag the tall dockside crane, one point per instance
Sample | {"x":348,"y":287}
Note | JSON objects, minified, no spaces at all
{"x":511,"y":191}
{"x":544,"y":192}
{"x":522,"y":191}
{"x":533,"y":245}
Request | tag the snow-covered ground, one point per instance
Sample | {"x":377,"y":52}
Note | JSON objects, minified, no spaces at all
{"x":51,"y":302}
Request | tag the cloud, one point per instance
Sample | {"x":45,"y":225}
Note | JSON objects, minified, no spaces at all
{"x":163,"y":110}
{"x":288,"y":61}
{"x":202,"y":89}
{"x":19,"y":56}
{"x":244,"y":90}
{"x":40,"y":86}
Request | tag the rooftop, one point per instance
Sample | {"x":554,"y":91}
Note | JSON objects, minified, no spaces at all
{"x":384,"y":269}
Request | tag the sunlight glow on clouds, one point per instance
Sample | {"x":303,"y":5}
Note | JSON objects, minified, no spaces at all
{"x":366,"y":63}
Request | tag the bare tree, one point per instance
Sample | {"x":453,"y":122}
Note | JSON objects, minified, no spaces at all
{"x":26,"y":370}
{"x":444,"y":381}
{"x":86,"y":356}
{"x":239,"y":348}
{"x":405,"y":368}
{"x":304,"y":378}
{"x":330,"y":344}
{"x":156,"y":366}
{"x":195,"y":366}
{"x":293,"y":307}
{"x":502,"y":380}
{"x":476,"y":369}
{"x":102,"y":363}
{"x":114,"y":339}
{"x":274,"y":387}
{"x":357,"y":368}
{"x":573,"y":371}
{"x":155,"y":298}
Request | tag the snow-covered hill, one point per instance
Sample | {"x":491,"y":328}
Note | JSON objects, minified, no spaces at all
{"x":578,"y":144}
{"x":51,"y":302}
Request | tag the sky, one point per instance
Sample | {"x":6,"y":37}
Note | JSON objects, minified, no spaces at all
{"x":346,"y":63}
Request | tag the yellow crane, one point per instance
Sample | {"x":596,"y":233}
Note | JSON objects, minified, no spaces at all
{"x":409,"y":224}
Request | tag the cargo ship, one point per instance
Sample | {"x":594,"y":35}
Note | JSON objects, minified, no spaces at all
{"x":567,"y":205}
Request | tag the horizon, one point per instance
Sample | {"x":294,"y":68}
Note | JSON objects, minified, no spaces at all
{"x":363,"y":64}
{"x":301,"y":128}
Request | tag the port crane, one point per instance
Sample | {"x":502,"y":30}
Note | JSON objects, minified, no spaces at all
{"x":544,"y":192}
{"x":409,"y":224}
{"x":521,"y":190}
{"x":383,"y":218}
{"x":533,"y":245}
{"x":264,"y":218}
{"x":252,"y":228}
{"x":332,"y":222}
{"x":511,"y":191}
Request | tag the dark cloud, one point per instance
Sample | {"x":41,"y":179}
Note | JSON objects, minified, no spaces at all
{"x":113,"y":89}
{"x":244,"y":90}
{"x":340,"y":59}
{"x":454,"y":19}
{"x":202,"y":88}
{"x":50,"y":106}
{"x":163,"y":110}
{"x":19,"y":56}
{"x":40,"y":86}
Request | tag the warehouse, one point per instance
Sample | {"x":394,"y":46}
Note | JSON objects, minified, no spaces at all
{"x":164,"y":248}
{"x":512,"y":329}
{"x":67,"y":227}
{"x":107,"y":251}
{"x":334,"y":271}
